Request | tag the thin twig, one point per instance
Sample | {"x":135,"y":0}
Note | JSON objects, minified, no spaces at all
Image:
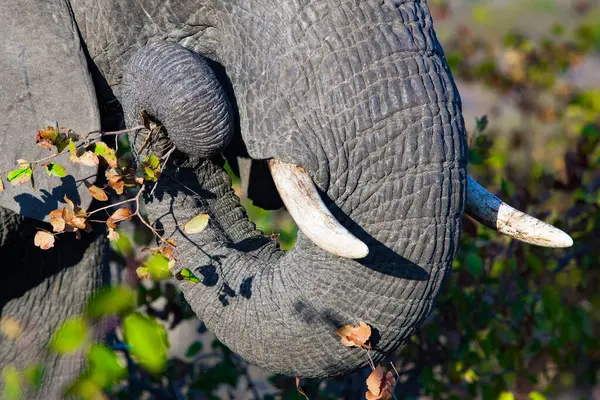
{"x":114,"y":205}
{"x":371,"y":363}
{"x":115,"y":133}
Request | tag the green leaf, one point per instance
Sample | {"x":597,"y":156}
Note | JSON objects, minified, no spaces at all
{"x":151,"y":167}
{"x":194,"y":349}
{"x":12,"y":384}
{"x":115,"y":300}
{"x":474,"y":264}
{"x":187,"y":275}
{"x":148,"y":341}
{"x":34,"y":374}
{"x":70,"y":336}
{"x":56,"y":170}
{"x":107,"y":153}
{"x":152,"y":161}
{"x":19,"y":176}
{"x":123,"y":245}
{"x":84,"y":388}
{"x":72,"y":148}
{"x":506,"y":396}
{"x":105,"y":368}
{"x":536,"y":396}
{"x":158,"y":266}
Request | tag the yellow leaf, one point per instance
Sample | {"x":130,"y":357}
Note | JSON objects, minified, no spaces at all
{"x":196,"y":224}
{"x":44,"y":240}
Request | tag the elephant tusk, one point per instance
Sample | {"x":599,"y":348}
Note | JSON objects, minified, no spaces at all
{"x":304,"y":204}
{"x":494,"y":213}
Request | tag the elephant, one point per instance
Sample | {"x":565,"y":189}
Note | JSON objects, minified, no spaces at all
{"x":343,"y":110}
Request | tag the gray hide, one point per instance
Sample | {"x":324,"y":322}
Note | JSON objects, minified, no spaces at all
{"x":44,"y":78}
{"x":356,"y":91}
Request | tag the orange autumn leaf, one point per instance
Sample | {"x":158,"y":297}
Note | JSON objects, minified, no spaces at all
{"x":121,"y":214}
{"x":57,"y":221}
{"x":98,"y":193}
{"x":380,"y":386}
{"x":69,"y":219}
{"x":44,"y":240}
{"x":355,"y":335}
{"x":115,"y":180}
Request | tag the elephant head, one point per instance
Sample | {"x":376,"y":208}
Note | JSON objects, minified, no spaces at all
{"x":353,"y":108}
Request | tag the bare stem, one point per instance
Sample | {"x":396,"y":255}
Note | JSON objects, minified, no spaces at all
{"x":116,"y":204}
{"x":371,"y":363}
{"x":115,"y":133}
{"x":142,"y":219}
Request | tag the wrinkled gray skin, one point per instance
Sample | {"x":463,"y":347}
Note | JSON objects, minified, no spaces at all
{"x":356,"y":91}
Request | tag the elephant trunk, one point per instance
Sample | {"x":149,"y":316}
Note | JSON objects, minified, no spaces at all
{"x":386,"y":149}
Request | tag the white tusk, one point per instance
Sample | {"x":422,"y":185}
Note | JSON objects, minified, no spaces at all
{"x":494,"y":213}
{"x":304,"y":204}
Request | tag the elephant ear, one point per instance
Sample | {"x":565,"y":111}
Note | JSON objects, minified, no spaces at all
{"x":44,"y":80}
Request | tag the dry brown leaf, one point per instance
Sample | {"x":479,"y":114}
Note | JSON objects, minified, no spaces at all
{"x":78,"y":222}
{"x":196,"y":224}
{"x":69,"y":219}
{"x":69,"y":202}
{"x":115,"y":180}
{"x":113,"y":175}
{"x":121,"y":214}
{"x":89,"y":158}
{"x":10,"y":327}
{"x":380,"y":386}
{"x":355,"y":336}
{"x":57,"y":220}
{"x":113,"y":235}
{"x":98,"y":193}
{"x":1,"y":186}
{"x":44,"y":240}
{"x":118,"y":187}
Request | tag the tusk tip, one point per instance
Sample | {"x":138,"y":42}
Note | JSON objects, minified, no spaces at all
{"x":561,"y":240}
{"x":361,"y":250}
